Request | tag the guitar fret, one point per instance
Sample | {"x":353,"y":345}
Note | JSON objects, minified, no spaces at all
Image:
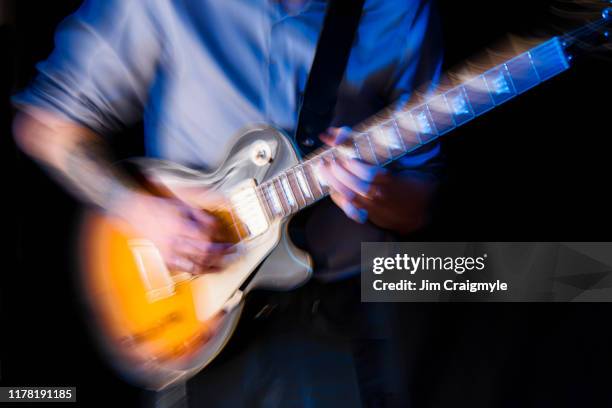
{"x":277,"y":207}
{"x":276,"y":182}
{"x":459,"y":105}
{"x":311,"y":178}
{"x":441,"y":114}
{"x":478,"y":95}
{"x":377,"y":155}
{"x":535,"y":70}
{"x":522,"y":72}
{"x":366,"y":149}
{"x":425,"y":126}
{"x":356,"y":148}
{"x":398,"y":135}
{"x":380,"y":145}
{"x":288,"y":192}
{"x":508,"y":77}
{"x":548,"y":59}
{"x":281,"y":198}
{"x":318,"y":177}
{"x":303,"y":184}
{"x":408,"y":131}
{"x":295,"y":188}
{"x":499,"y":84}
{"x":392,"y":139}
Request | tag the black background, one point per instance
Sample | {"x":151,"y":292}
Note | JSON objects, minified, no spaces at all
{"x":536,"y":169}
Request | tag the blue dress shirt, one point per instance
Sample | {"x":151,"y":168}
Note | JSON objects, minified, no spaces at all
{"x":198,"y":71}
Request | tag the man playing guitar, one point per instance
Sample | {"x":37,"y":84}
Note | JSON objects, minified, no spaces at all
{"x":196,"y":72}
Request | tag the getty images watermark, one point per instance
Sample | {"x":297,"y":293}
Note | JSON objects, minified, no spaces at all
{"x":486,"y":271}
{"x":413,"y":264}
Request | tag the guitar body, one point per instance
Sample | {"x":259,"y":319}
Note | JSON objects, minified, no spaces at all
{"x":159,"y":326}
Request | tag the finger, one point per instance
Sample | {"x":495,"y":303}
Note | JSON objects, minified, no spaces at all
{"x":192,"y":231}
{"x":372,"y":206}
{"x":207,"y":246}
{"x":359,"y":215}
{"x":378,"y":212}
{"x":342,"y":195}
{"x":208,"y":224}
{"x":201,"y":226}
{"x":199,"y":248}
{"x":363,"y":179}
{"x":201,"y":262}
{"x":203,"y":217}
{"x":348,"y":178}
{"x":207,"y":265}
{"x":378,"y":179}
{"x":367,"y":172}
{"x":334,"y":135}
{"x":335,"y":185}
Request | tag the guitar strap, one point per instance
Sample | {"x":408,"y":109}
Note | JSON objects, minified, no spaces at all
{"x":328,"y":66}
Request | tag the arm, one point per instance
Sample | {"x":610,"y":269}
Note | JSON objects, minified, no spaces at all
{"x":94,"y":82}
{"x":397,"y":198}
{"x":189,"y":239}
{"x":75,"y":155}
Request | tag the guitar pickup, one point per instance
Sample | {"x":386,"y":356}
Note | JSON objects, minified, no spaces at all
{"x":248,"y":209}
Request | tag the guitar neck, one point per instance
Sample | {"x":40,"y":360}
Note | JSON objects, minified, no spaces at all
{"x":408,"y":129}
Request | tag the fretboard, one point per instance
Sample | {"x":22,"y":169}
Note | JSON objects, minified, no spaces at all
{"x":408,"y":129}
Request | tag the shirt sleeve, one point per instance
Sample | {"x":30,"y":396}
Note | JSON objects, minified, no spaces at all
{"x":420,"y":66}
{"x":102,"y":66}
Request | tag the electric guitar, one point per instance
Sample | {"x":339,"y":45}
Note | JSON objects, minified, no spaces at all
{"x":162,"y":326}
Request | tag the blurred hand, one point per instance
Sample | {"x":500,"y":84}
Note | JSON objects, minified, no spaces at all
{"x":189,"y":239}
{"x":398,"y":202}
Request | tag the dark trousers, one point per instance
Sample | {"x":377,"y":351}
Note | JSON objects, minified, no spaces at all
{"x":320,"y":346}
{"x":316,"y":346}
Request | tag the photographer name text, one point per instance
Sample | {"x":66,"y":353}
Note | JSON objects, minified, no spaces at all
{"x":414,"y":264}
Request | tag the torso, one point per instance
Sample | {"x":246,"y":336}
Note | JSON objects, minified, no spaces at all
{"x":230,"y":64}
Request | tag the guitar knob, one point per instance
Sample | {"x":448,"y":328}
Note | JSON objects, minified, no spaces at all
{"x":261,"y":154}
